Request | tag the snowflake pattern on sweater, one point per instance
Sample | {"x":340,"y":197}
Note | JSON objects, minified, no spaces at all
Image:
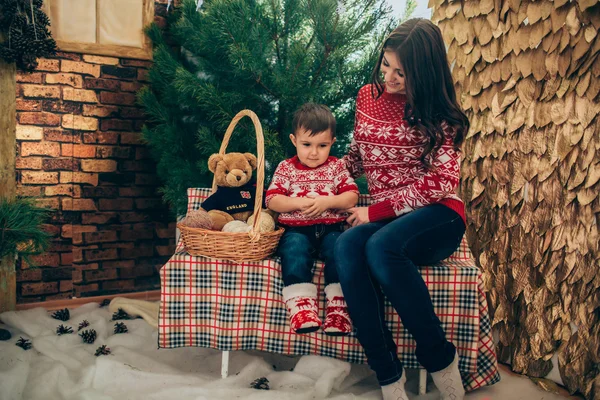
{"x":388,"y":151}
{"x":293,"y":179}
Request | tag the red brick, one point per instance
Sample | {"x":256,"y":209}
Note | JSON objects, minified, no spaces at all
{"x":59,"y":135}
{"x":132,"y":113}
{"x":135,"y":272}
{"x":45,"y":64}
{"x":144,"y":204}
{"x":46,"y":260}
{"x":139,"y":251}
{"x":84,"y":151}
{"x":135,"y":63}
{"x":138,"y":166}
{"x":137,"y":191}
{"x":79,"y":177}
{"x":120,"y":285}
{"x":101,"y":137}
{"x":89,"y":290}
{"x":48,"y":203}
{"x":116,"y":204}
{"x":165,"y":233}
{"x":98,"y":165}
{"x":29,"y":191}
{"x":80,"y":95}
{"x":130,"y":86}
{"x":142,"y":75}
{"x":68,"y":230}
{"x":119,"y":264}
{"x":59,"y":296}
{"x":62,"y":164}
{"x":67,"y":56}
{"x":100,"y":111}
{"x":131,"y":235}
{"x":66,"y":258}
{"x":59,"y":244}
{"x":119,"y":245}
{"x":29,"y":105}
{"x":40,"y":149}
{"x":86,"y":267}
{"x":146,"y":179}
{"x":100,"y":275}
{"x":69,"y":204}
{"x":99,"y":237}
{"x":24,"y":77}
{"x":57,"y":274}
{"x":99,"y":255}
{"x":161,"y":22}
{"x":132,"y":138}
{"x":99,"y":218}
{"x":41,"y":91}
{"x":100,"y":191}
{"x":28,"y":163}
{"x":34,"y":289}
{"x":104,"y":84}
{"x":61,"y":190}
{"x":142,"y":153}
{"x":61,"y":107}
{"x":121,"y":73}
{"x":66,"y":286}
{"x":66,"y":149}
{"x":115,"y":125}
{"x":80,"y":67}
{"x":38,"y":118}
{"x":126,"y":217}
{"x":138,"y":124}
{"x":29,"y":275}
{"x":117,"y":98}
{"x":54,"y":231}
{"x":73,"y":80}
{"x":165,"y":250}
{"x":35,"y":177}
{"x":112,"y":152}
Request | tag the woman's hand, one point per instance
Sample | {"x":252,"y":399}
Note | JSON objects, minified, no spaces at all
{"x":358,"y":216}
{"x":319,"y":206}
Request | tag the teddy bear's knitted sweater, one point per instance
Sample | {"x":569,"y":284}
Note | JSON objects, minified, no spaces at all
{"x":387,"y":150}
{"x":293,"y":179}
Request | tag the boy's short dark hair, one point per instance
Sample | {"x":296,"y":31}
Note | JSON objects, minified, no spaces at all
{"x":314,"y":118}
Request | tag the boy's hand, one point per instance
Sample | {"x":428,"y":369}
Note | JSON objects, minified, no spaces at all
{"x":358,"y":216}
{"x":319,"y":206}
{"x":303,"y":203}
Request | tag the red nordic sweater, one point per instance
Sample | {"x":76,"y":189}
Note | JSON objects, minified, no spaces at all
{"x":387,"y":150}
{"x":293,"y":179}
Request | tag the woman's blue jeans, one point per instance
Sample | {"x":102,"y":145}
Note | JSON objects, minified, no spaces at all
{"x":298,"y":248}
{"x":382,"y":258}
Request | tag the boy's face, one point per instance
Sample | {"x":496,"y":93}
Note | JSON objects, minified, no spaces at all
{"x":312,"y":150}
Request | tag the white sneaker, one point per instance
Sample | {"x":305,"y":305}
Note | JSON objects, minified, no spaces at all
{"x":395,"y":391}
{"x":448,"y":381}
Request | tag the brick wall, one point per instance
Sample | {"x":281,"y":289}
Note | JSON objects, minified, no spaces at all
{"x":79,"y":149}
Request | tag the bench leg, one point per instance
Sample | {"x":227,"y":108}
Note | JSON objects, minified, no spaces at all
{"x":422,"y":381}
{"x":224,"y":364}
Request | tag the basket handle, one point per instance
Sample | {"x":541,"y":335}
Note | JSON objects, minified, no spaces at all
{"x":260,"y":167}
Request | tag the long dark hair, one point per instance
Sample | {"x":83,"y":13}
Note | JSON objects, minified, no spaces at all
{"x":430,"y":94}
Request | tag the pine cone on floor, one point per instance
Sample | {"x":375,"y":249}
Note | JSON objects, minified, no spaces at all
{"x":62,"y":330}
{"x":83,"y":324}
{"x":62,"y":315}
{"x":88,"y":336}
{"x":120,"y":327}
{"x":260,"y":383}
{"x":120,"y":315}
{"x":23,"y":343}
{"x":102,"y":351}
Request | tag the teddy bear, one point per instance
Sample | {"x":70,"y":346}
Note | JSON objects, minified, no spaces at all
{"x":236,"y":188}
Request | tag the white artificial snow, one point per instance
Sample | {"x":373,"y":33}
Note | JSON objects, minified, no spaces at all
{"x":64,"y":367}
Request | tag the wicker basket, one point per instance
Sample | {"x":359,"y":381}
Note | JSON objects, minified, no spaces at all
{"x":237,"y":247}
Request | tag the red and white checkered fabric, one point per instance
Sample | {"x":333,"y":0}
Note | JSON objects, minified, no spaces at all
{"x":228,"y":306}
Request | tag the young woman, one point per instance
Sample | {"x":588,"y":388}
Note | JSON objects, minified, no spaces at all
{"x":407,"y":135}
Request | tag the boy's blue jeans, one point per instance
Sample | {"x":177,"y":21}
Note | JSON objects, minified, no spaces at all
{"x":381,"y":258}
{"x":298,"y":248}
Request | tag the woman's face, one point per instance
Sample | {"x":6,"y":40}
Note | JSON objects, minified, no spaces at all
{"x":393,"y":73}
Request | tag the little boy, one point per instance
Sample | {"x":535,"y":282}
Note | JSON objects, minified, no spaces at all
{"x":310,"y":191}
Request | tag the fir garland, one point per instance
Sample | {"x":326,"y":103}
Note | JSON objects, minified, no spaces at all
{"x":24,"y":26}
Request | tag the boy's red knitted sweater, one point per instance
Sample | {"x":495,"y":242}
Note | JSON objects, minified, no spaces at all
{"x":293,"y":179}
{"x":387,"y":150}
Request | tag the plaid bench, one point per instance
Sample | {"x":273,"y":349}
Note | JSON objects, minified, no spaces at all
{"x":228,"y":306}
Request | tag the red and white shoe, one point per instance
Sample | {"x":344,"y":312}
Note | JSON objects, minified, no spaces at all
{"x":337,"y":320}
{"x":301,"y":302}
